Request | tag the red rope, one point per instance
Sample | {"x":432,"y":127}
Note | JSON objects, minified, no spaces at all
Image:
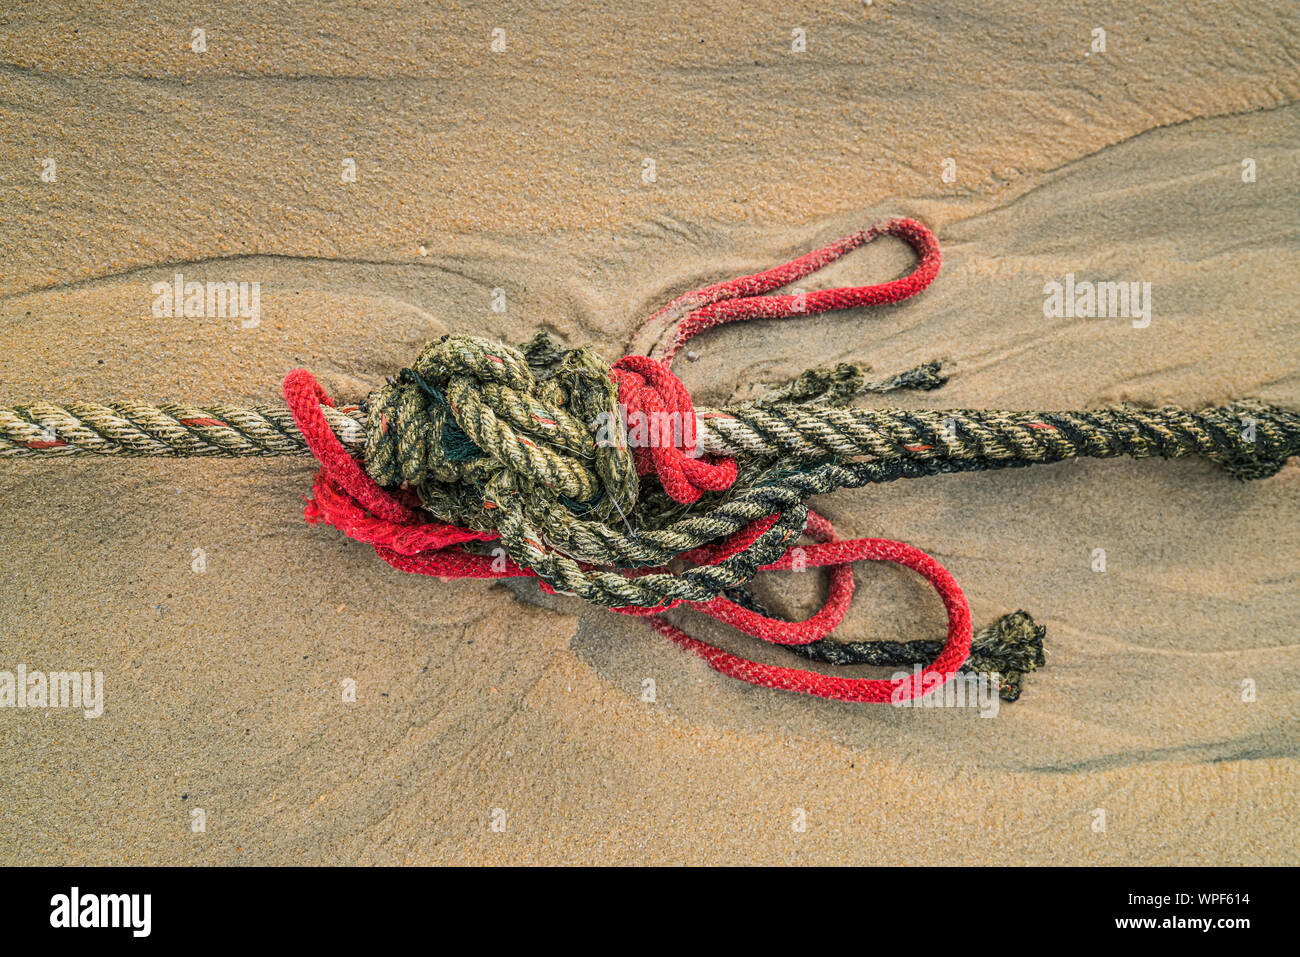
{"x":350,"y":500}
{"x":739,"y":299}
{"x":648,"y":388}
{"x":838,"y":555}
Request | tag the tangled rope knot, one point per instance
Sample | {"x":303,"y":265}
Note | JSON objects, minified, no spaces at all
{"x":482,"y":460}
{"x":531,"y":446}
{"x":477,"y":425}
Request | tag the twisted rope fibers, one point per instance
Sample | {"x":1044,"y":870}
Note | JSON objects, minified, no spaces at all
{"x":530,"y":447}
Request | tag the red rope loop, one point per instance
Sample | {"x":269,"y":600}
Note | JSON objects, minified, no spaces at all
{"x":838,"y":555}
{"x":741,"y":299}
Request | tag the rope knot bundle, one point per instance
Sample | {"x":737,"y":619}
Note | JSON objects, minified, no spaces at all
{"x":530,"y":447}
{"x":478,"y":426}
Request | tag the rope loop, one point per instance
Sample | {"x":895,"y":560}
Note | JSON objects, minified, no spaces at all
{"x":742,"y":299}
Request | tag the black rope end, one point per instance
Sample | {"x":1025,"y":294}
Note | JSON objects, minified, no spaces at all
{"x":1010,"y":648}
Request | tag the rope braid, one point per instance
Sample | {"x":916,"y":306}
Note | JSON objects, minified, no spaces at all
{"x":602,"y":481}
{"x":136,"y":428}
{"x":1248,"y":439}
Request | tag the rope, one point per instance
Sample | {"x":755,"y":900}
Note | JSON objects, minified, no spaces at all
{"x":740,"y":299}
{"x":136,"y":428}
{"x":606,"y":483}
{"x":1249,"y":439}
{"x":1006,"y":651}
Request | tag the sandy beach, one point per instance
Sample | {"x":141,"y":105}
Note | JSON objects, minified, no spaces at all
{"x":388,"y":173}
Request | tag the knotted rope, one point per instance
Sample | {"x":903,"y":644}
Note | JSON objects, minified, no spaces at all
{"x":487,"y":461}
